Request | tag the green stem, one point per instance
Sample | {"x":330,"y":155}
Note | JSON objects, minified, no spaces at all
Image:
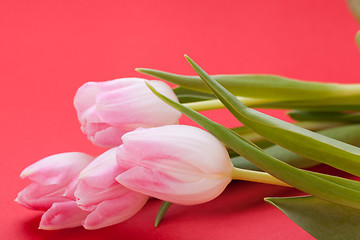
{"x":216,"y":104}
{"x":357,"y":38}
{"x":256,"y":176}
{"x":347,"y":101}
{"x":164,"y":207}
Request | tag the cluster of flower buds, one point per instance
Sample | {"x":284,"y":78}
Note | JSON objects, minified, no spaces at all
{"x":149,"y":156}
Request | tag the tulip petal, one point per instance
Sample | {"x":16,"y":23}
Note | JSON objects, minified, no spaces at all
{"x":98,"y":132}
{"x":97,"y":181}
{"x":136,"y":106}
{"x":102,"y":171}
{"x":108,"y":137}
{"x":174,"y":168}
{"x":90,"y":122}
{"x":114,"y":211}
{"x":87,"y":197}
{"x":85,"y":96}
{"x":159,"y":185}
{"x":57,"y":169}
{"x":40,"y":197}
{"x":62,"y":215}
{"x":186,"y":144}
{"x":70,"y":189}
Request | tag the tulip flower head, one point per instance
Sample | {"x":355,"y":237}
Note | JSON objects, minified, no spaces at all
{"x":107,"y":110}
{"x":175,"y":163}
{"x":50,"y":178}
{"x":98,"y":192}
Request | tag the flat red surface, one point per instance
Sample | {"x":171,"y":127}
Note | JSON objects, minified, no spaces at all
{"x":49,"y":48}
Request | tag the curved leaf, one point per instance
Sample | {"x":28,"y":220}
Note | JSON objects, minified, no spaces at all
{"x":322,"y":219}
{"x":348,"y":134}
{"x":261,"y":86}
{"x":187,"y":95}
{"x":324,"y":116}
{"x":354,"y":6}
{"x":334,"y":103}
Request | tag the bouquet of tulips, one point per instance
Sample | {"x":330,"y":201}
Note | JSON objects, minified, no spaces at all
{"x":149,"y":154}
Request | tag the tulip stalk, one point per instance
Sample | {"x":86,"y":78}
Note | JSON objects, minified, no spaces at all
{"x":216,"y":104}
{"x":327,"y":104}
{"x":256,"y":176}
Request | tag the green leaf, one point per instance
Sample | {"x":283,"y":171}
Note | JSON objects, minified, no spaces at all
{"x":253,"y":137}
{"x":261,"y":86}
{"x":348,"y":134}
{"x":330,"y":104}
{"x":296,"y":139}
{"x":335,"y":103}
{"x":324,"y":116}
{"x":163,"y":209}
{"x":341,"y":191}
{"x":264,"y":143}
{"x":187,"y":95}
{"x":357,"y":39}
{"x":354,"y":6}
{"x":322,"y":219}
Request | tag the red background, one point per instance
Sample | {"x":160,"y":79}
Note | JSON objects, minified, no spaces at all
{"x":49,"y":48}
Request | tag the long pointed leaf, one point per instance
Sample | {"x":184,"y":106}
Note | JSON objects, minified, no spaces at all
{"x":186,"y":95}
{"x":299,"y":140}
{"x":348,"y":134}
{"x":354,"y":6}
{"x":261,"y":86}
{"x":324,"y":116}
{"x":323,"y":220}
{"x":334,"y":103}
{"x":315,"y":184}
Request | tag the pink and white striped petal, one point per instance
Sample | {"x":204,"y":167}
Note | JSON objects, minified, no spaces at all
{"x":114,"y":211}
{"x":62,"y":215}
{"x":57,"y":169}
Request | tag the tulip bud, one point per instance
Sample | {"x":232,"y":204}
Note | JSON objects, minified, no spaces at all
{"x":107,"y":110}
{"x":50,"y":177}
{"x":178,"y":163}
{"x":98,"y":192}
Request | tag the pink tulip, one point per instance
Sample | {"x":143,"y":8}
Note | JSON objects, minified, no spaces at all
{"x":98,"y":192}
{"x":51,"y":177}
{"x":178,"y":163}
{"x":107,"y":110}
